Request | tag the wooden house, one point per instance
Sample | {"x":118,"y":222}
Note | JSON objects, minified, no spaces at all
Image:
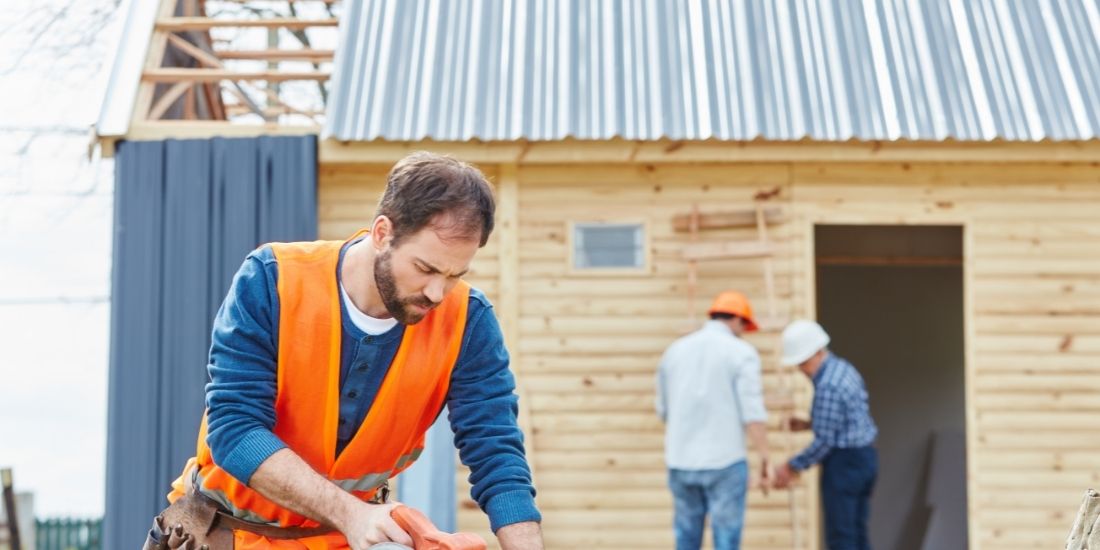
{"x":924,"y":179}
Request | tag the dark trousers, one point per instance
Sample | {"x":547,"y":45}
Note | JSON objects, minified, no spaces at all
{"x":847,"y":477}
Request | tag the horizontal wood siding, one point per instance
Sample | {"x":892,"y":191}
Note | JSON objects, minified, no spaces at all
{"x":591,"y":343}
{"x":587,"y":345}
{"x":1033,"y":316}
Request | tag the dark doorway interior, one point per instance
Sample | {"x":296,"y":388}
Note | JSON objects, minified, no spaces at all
{"x":891,"y":297}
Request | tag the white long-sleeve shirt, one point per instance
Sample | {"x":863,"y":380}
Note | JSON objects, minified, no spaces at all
{"x":708,"y":389}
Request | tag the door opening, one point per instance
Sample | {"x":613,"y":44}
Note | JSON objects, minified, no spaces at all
{"x":891,"y":298}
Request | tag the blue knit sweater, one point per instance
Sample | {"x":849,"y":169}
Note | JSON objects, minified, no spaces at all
{"x":481,"y":402}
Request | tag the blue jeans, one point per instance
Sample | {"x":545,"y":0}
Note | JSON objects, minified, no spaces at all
{"x":847,"y":477}
{"x":719,"y":492}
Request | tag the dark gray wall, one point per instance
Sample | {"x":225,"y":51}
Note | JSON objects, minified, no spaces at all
{"x":186,"y":214}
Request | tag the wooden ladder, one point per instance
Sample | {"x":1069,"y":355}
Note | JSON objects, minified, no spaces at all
{"x":763,"y":249}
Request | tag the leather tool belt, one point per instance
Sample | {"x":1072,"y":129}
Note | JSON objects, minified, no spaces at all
{"x":196,"y":522}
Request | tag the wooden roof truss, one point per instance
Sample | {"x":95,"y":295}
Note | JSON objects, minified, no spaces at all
{"x":250,"y":61}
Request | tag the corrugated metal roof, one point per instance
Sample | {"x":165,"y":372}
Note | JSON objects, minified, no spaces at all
{"x":729,"y":70}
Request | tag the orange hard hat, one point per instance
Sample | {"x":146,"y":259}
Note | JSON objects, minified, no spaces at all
{"x":734,"y":303}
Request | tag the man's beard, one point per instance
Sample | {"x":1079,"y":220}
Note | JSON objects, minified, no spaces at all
{"x":399,"y":307}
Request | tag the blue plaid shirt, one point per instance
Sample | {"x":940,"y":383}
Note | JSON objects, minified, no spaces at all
{"x":840,"y":415}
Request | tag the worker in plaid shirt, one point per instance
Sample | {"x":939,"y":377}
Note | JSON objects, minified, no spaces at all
{"x":843,"y":436}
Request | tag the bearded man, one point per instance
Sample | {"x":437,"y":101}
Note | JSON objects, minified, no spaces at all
{"x":329,"y":362}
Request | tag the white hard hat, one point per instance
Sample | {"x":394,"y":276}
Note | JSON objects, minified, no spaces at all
{"x":801,"y":340}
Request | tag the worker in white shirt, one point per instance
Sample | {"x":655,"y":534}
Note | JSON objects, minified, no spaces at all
{"x":709,"y":395}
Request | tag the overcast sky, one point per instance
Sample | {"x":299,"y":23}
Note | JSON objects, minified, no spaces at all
{"x":55,"y":243}
{"x":55,"y":251}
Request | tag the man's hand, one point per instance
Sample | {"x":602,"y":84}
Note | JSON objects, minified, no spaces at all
{"x":373,"y":525}
{"x":288,"y":481}
{"x":758,"y":433}
{"x":767,"y":474}
{"x":784,"y":475}
{"x":520,"y":536}
{"x":798,"y":424}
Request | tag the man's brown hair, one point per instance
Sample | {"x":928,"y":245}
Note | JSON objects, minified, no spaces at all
{"x":426,"y":189}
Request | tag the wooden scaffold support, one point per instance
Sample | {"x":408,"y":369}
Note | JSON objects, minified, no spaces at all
{"x":763,"y":249}
{"x":191,"y":75}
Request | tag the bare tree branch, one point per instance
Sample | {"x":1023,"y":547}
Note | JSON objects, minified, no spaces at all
{"x":37,"y":36}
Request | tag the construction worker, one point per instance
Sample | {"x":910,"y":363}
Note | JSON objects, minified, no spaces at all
{"x":709,"y":396}
{"x":843,"y":436}
{"x":329,"y":362}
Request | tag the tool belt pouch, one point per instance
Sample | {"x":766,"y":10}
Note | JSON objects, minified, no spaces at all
{"x":190,"y":523}
{"x":194,"y":522}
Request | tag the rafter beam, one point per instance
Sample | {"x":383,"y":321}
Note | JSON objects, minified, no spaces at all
{"x":274,"y":1}
{"x":202,"y":56}
{"x":215,"y":75}
{"x":167,"y":99}
{"x":177,"y":24}
{"x":278,"y":55}
{"x":238,"y":109}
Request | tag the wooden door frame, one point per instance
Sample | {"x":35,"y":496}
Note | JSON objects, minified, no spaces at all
{"x":808,"y":221}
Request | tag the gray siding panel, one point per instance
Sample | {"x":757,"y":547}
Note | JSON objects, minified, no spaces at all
{"x":828,"y":70}
{"x":186,"y":214}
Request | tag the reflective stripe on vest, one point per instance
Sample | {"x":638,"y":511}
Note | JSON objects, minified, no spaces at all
{"x":367,"y":484}
{"x":391,"y":436}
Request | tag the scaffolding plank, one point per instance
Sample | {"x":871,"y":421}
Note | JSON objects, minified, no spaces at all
{"x":727,"y":220}
{"x":274,"y":1}
{"x":177,"y":24}
{"x":278,"y":55}
{"x":215,"y":75}
{"x":728,"y":250}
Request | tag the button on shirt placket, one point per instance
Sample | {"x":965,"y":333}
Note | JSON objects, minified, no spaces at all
{"x":352,"y":389}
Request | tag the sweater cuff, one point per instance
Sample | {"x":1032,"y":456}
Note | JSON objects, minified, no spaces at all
{"x":512,"y":507}
{"x":254,"y":448}
{"x":799,"y":463}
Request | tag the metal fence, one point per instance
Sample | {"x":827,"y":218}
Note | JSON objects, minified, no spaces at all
{"x":68,"y":534}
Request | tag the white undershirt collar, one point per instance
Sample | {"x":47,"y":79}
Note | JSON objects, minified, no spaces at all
{"x":370,"y":325}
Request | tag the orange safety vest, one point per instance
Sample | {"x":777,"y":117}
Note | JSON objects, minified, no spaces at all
{"x":308,"y":396}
